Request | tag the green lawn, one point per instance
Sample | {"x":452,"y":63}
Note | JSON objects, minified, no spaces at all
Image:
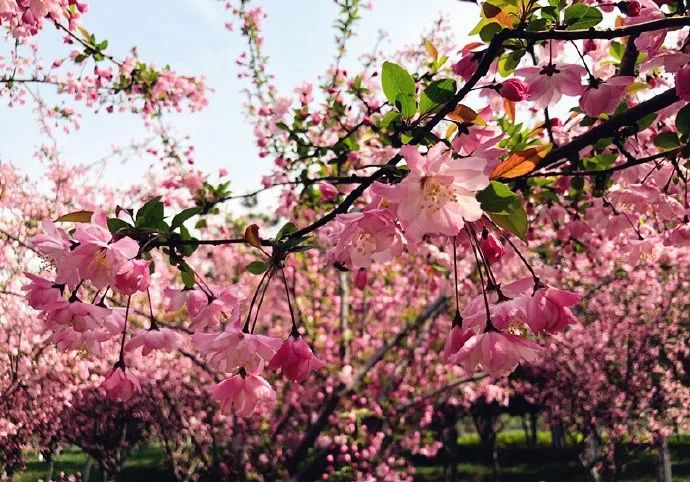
{"x":145,"y":466}
{"x":519,"y":463}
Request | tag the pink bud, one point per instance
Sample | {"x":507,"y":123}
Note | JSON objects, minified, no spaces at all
{"x":683,"y":83}
{"x":361,"y":279}
{"x":328,"y":191}
{"x":492,"y":248}
{"x":514,"y":90}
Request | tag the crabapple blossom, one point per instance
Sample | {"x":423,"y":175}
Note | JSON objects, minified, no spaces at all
{"x":243,"y":392}
{"x":548,"y":83}
{"x":438,"y":196}
{"x":295,"y":359}
{"x":120,"y":385}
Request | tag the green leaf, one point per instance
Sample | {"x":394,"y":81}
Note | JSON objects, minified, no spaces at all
{"x":399,"y":88}
{"x":75,"y":217}
{"x":286,"y":230}
{"x":488,"y":31}
{"x":497,"y":198}
{"x":115,"y":224}
{"x":436,"y":94}
{"x":580,"y":16}
{"x":187,"y":249}
{"x":683,"y":121}
{"x":390,"y":119}
{"x":187,"y":275}
{"x":508,"y":63}
{"x":646,"y":121}
{"x":515,"y":222}
{"x":667,"y":140}
{"x":184,"y":215}
{"x":257,"y":267}
{"x":151,"y":213}
{"x":406,"y":104}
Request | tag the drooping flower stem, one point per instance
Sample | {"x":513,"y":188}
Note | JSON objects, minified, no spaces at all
{"x":295,"y":331}
{"x":121,"y":359}
{"x":489,"y":324}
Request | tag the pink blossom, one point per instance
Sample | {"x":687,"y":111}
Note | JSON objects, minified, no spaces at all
{"x":154,"y":339}
{"x":42,"y":294}
{"x":466,"y":66}
{"x":602,"y":97}
{"x":328,"y":191}
{"x":98,"y":258}
{"x":295,"y":359}
{"x":243,"y":392}
{"x":514,"y":90}
{"x":549,"y":83}
{"x":457,"y":338}
{"x":366,"y":236}
{"x":496,"y":353}
{"x":683,"y":83}
{"x":53,"y":242}
{"x":120,"y":385}
{"x":133,"y":276}
{"x":438,"y":195}
{"x":679,"y":236}
{"x":206,"y":311}
{"x":547,"y":310}
{"x":234,"y":348}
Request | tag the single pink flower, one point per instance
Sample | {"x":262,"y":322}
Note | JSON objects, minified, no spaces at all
{"x":98,"y":258}
{"x":120,"y":385}
{"x":602,"y":97}
{"x":496,"y":353}
{"x":53,"y":243}
{"x":328,"y":191}
{"x":438,"y":195}
{"x":678,"y":236}
{"x":295,"y":359}
{"x":366,"y":236}
{"x":466,"y":66}
{"x":234,"y":348}
{"x":550,"y":82}
{"x":207,"y":311}
{"x":132,"y":276}
{"x":80,"y":316}
{"x":43,"y":294}
{"x":457,"y":338}
{"x":683,"y":83}
{"x":548,"y":310}
{"x":514,"y":90}
{"x":243,"y":392}
{"x":155,"y":339}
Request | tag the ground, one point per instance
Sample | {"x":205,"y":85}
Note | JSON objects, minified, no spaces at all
{"x":519,"y":463}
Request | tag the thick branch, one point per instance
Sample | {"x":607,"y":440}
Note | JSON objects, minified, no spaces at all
{"x":343,"y":390}
{"x":611,"y":126}
{"x":607,"y":34}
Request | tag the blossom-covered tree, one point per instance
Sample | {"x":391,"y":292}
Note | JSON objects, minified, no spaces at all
{"x":442,"y":214}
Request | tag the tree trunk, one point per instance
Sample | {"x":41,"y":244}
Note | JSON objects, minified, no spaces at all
{"x":533,"y":416}
{"x":449,"y":436}
{"x":51,"y":468}
{"x":557,"y":436}
{"x":663,"y":464}
{"x":86,"y":471}
{"x":591,"y":456}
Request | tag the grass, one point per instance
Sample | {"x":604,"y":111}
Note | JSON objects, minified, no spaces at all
{"x":519,"y":463}
{"x":523,"y":463}
{"x":146,"y":465}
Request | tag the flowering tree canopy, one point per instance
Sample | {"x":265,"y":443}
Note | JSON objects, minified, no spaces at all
{"x":446,"y":214}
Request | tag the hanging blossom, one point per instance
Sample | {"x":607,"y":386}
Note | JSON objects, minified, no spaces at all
{"x":438,"y":195}
{"x":494,"y":340}
{"x":243,"y":392}
{"x":548,"y":83}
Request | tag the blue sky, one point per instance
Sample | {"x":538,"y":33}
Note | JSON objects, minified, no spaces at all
{"x":189,"y":35}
